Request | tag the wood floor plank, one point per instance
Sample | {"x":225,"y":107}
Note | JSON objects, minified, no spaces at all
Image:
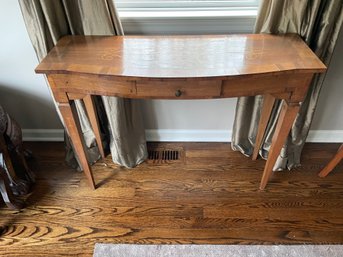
{"x":211,"y":198}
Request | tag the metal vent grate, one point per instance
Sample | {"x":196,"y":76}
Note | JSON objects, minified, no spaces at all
{"x":162,"y":155}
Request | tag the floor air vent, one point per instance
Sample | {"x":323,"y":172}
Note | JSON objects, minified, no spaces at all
{"x":160,"y":156}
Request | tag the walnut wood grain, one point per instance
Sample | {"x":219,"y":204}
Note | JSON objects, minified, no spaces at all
{"x":182,"y":67}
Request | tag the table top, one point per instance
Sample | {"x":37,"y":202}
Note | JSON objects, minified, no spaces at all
{"x":204,"y":56}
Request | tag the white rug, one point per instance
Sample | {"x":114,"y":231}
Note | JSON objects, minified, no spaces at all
{"x":133,"y":250}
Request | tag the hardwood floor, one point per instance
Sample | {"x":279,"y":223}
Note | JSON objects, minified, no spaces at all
{"x":211,"y":197}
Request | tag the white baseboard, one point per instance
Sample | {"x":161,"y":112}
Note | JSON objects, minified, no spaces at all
{"x":180,"y":135}
{"x":183,"y":135}
{"x":325,"y":136}
{"x":52,"y":135}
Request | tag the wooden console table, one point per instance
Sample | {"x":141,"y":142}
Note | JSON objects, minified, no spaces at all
{"x":181,"y":67}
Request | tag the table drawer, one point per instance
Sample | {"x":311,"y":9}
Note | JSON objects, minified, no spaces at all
{"x":179,"y":89}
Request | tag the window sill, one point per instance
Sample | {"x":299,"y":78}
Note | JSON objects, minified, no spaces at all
{"x":188,"y":21}
{"x":187,"y":13}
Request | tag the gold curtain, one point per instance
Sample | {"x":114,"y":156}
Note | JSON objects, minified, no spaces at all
{"x":318,"y":22}
{"x":120,"y":119}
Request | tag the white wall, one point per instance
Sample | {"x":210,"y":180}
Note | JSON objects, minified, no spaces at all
{"x":329,"y":114}
{"x":24,"y":94}
{"x":26,"y":97}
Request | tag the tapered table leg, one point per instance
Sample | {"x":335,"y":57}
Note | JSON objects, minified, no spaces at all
{"x":285,"y":122}
{"x":93,"y":118}
{"x":71,"y":122}
{"x":268,"y":103}
{"x":333,"y":163}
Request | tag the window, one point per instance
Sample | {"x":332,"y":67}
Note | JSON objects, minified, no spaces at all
{"x":186,"y":8}
{"x":187,"y":16}
{"x":178,"y":4}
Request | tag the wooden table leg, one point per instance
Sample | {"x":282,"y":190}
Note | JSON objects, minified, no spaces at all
{"x":71,"y":122}
{"x":93,"y":118}
{"x":333,"y":163}
{"x":287,"y":116}
{"x":268,"y":103}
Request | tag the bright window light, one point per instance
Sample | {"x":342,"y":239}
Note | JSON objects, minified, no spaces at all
{"x":194,"y":4}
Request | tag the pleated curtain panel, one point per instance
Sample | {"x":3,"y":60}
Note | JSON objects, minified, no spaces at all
{"x":120,"y":119}
{"x":318,"y":22}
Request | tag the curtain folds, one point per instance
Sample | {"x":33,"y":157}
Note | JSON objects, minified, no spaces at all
{"x":120,"y":119}
{"x":318,"y":22}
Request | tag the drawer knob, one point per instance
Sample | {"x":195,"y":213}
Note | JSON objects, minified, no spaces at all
{"x":178,"y":93}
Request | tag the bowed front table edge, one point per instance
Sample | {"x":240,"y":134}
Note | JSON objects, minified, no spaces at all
{"x":181,"y":67}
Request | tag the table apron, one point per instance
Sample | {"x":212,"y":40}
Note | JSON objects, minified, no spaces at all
{"x":284,"y":86}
